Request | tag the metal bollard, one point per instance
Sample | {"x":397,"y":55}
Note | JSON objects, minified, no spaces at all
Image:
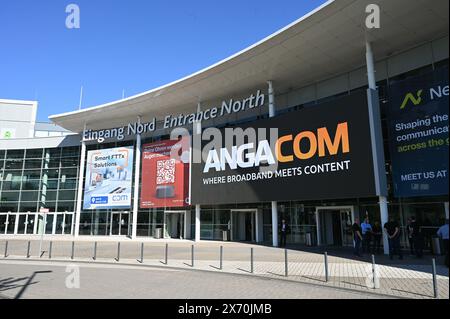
{"x":6,"y":249}
{"x":326,"y":266}
{"x":166,"y":254}
{"x":142,"y":253}
{"x":192,"y":256}
{"x":374,"y":278}
{"x":118,"y":251}
{"x":50,"y":250}
{"x":435,"y":288}
{"x":95,"y":251}
{"x":251,"y":260}
{"x":221,"y":257}
{"x":28,"y":250}
{"x":73,"y":250}
{"x":285,"y":262}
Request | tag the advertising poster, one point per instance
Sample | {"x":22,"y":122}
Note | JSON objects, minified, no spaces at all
{"x":108,"y":178}
{"x":418,"y":135}
{"x":323,"y":152}
{"x":165,"y":174}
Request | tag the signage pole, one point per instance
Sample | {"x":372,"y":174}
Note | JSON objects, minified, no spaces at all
{"x":137,"y":169}
{"x":44,"y":221}
{"x":377,"y":141}
{"x":80,"y":185}
{"x":274,"y":204}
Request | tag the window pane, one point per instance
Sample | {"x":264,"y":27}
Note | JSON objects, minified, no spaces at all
{"x":15,"y":154}
{"x":14,"y":164}
{"x":70,"y":162}
{"x":70,"y":151}
{"x":32,"y":174}
{"x":68,"y":183}
{"x":31,"y":184}
{"x":53,"y":152}
{"x":33,"y":163}
{"x":51,"y":173}
{"x":67,"y":195}
{"x":9,"y":206}
{"x":29,"y":196}
{"x":10,"y":196}
{"x":53,"y":163}
{"x":11,"y":185}
{"x":28,"y":207}
{"x":68,"y":173}
{"x":34,"y":153}
{"x":66,"y":206}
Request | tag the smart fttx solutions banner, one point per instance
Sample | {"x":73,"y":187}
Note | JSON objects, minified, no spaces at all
{"x":322,"y":152}
{"x":165,"y":174}
{"x":418,"y":134}
{"x":108,"y":178}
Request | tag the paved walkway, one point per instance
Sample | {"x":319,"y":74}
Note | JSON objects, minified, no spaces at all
{"x":47,"y":280}
{"x":410,"y":278}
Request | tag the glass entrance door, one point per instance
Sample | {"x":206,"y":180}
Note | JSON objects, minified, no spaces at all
{"x":174,"y":224}
{"x":49,"y":218}
{"x":10,"y":224}
{"x":119,"y":224}
{"x":22,"y":226}
{"x":346,"y":228}
{"x":59,"y":226}
{"x":3,"y":218}
{"x":243,"y":225}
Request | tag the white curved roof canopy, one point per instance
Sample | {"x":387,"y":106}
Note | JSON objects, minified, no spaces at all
{"x":326,"y":42}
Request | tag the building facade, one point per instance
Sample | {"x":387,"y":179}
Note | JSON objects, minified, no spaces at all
{"x":324,"y":59}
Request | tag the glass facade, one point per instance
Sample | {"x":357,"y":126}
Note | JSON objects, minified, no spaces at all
{"x":32,"y":179}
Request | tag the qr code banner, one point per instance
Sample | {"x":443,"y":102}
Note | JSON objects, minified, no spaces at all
{"x":165,"y":171}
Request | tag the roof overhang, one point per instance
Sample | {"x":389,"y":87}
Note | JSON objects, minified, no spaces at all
{"x":326,"y":42}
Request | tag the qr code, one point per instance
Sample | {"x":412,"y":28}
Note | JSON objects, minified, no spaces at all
{"x":165,"y":172}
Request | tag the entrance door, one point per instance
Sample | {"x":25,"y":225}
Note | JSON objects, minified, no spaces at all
{"x":119,"y":223}
{"x":3,"y":218}
{"x":22,"y":226}
{"x":334,"y":226}
{"x":174,"y":224}
{"x":49,"y":221}
{"x":59,"y":226}
{"x":246,"y":225}
{"x":10,"y":224}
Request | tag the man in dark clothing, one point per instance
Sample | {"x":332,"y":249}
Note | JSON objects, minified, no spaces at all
{"x":283,"y":231}
{"x":417,"y":237}
{"x":357,"y":237}
{"x":377,"y":235}
{"x":393,"y":232}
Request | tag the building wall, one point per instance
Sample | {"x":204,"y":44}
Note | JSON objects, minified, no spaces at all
{"x":18,"y":118}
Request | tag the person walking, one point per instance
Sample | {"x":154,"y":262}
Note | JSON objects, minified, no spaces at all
{"x":366,"y":231}
{"x":357,"y":237}
{"x":443,"y":234}
{"x":409,"y":231}
{"x":283,"y":230}
{"x":417,"y":237}
{"x":393,"y":232}
{"x":377,"y":233}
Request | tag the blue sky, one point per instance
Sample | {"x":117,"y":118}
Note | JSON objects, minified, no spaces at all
{"x":131,"y":45}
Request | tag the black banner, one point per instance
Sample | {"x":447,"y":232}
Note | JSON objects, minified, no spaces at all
{"x":418,"y":134}
{"x":321,"y":152}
